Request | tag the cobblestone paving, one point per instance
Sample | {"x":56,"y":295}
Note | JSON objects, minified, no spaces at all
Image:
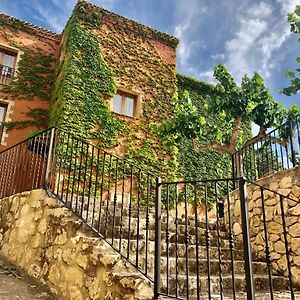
{"x":16,"y":285}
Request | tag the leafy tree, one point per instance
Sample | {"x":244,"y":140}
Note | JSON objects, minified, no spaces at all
{"x":233,"y":105}
{"x":294,"y":20}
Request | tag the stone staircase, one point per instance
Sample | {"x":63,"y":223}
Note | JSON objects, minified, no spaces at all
{"x":184,"y":266}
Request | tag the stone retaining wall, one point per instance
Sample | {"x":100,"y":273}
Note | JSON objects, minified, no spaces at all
{"x":286,"y":183}
{"x":54,"y":246}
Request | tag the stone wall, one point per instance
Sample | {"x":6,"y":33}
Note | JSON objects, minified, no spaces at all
{"x":286,"y":183}
{"x":54,"y":246}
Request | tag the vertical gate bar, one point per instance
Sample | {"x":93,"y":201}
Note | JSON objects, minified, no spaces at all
{"x":115,"y":202}
{"x":66,"y":153}
{"x":197,"y":242}
{"x":267,"y":249}
{"x":69,"y":173}
{"x":176,"y":238}
{"x":74,"y":175}
{"x":267,"y":168}
{"x":90,"y":187}
{"x":130,"y":210}
{"x":122,"y":204}
{"x":276,"y":155}
{"x":147,"y":224}
{"x":231,"y":240}
{"x":254,"y":162}
{"x":138,"y":218}
{"x":79,"y":178}
{"x":298,"y":131}
{"x":292,"y":143}
{"x":219,"y":242}
{"x":246,"y":240}
{"x":233,"y":168}
{"x":47,"y":173}
{"x":168,"y":237}
{"x":186,"y":242}
{"x":86,"y":158}
{"x":101,"y":191}
{"x":108,"y":195}
{"x":157,"y":239}
{"x":286,"y":244}
{"x":95,"y":188}
{"x":207,"y":240}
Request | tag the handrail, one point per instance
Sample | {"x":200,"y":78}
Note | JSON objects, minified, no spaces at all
{"x":274,"y":151}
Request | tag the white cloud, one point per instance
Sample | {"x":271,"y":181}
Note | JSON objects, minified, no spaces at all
{"x":260,"y":34}
{"x":188,"y":11}
{"x":287,"y":6}
{"x":218,"y":57}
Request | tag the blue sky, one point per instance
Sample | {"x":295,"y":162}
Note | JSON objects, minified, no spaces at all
{"x":244,"y":35}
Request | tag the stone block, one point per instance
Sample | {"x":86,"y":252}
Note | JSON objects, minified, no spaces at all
{"x":275,"y":228}
{"x":286,"y":182}
{"x":295,"y":211}
{"x":54,"y":274}
{"x":237,"y":230}
{"x":75,"y":293}
{"x":294,"y":230}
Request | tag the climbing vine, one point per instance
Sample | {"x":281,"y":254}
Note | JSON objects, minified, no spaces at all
{"x":86,"y":80}
{"x":83,"y":84}
{"x":209,"y":164}
{"x":33,"y":76}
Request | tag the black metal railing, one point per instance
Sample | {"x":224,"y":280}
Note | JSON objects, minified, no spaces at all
{"x":23,"y":166}
{"x":193,"y":245}
{"x":166,"y":230}
{"x":6,"y":74}
{"x":113,"y":196}
{"x":271,"y":239}
{"x":275,"y":151}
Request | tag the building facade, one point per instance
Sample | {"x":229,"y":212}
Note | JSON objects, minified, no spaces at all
{"x":105,"y":78}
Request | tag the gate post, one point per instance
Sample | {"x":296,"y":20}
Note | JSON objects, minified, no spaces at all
{"x":293,"y":156}
{"x":250,"y":289}
{"x":157,"y":239}
{"x":47,"y":173}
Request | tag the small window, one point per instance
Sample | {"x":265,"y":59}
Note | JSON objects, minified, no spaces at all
{"x":125,"y":104}
{"x":3,"y":109}
{"x":7,"y":66}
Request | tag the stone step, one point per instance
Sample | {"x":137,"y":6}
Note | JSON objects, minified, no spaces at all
{"x":141,"y":212}
{"x":109,"y":219}
{"x":181,"y":250}
{"x":108,"y":233}
{"x":169,"y":266}
{"x":261,"y":285}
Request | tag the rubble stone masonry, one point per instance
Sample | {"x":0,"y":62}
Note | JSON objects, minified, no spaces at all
{"x":54,"y":246}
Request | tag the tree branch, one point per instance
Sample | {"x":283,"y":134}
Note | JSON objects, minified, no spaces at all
{"x":262,"y":136}
{"x":223,"y":149}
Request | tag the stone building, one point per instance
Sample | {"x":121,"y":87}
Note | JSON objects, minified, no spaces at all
{"x":106,"y":78}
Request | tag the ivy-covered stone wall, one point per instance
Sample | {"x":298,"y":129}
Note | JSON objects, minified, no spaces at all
{"x":209,"y":164}
{"x":100,"y":53}
{"x":28,"y":96}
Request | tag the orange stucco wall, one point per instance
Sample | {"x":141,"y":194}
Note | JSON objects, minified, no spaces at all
{"x":36,"y":39}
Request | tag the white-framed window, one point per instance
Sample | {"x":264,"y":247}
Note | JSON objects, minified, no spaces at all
{"x":126,"y":104}
{"x":7,"y":65}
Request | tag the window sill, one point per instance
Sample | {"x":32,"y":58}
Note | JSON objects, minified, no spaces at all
{"x":131,"y":118}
